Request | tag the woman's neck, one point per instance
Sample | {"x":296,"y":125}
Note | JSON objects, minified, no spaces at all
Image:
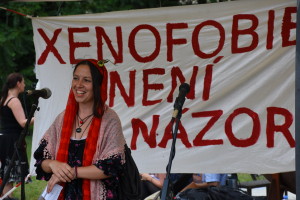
{"x":85,"y":110}
{"x":13,"y":92}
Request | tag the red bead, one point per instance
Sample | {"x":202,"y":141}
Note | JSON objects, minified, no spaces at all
{"x":81,"y":122}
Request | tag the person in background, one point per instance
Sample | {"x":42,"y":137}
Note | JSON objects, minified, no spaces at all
{"x":206,"y":180}
{"x":151,"y":183}
{"x":12,"y":122}
{"x":178,"y":181}
{"x":83,"y":150}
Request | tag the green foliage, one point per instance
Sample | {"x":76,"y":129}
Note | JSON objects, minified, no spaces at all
{"x":16,"y":45}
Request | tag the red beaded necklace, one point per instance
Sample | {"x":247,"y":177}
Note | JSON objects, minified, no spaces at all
{"x":81,"y":122}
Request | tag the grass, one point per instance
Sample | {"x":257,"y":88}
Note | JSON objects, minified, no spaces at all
{"x":247,"y":177}
{"x":34,"y":189}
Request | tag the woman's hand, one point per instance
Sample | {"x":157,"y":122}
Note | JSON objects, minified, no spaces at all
{"x":53,"y":180}
{"x":146,"y":177}
{"x":62,"y":171}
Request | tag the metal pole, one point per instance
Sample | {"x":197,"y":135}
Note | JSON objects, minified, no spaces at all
{"x":297,"y":105}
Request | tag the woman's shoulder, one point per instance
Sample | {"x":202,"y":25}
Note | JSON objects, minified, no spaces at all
{"x":109,"y":112}
{"x":11,"y":101}
{"x":60,"y":116}
{"x":110,"y":116}
{"x":14,"y":104}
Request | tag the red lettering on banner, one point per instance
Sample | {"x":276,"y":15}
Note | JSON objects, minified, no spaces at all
{"x":270,"y":36}
{"x":168,"y":135}
{"x":50,"y":46}
{"x":132,"y":48}
{"x":117,"y":52}
{"x":74,"y":45}
{"x":171,"y":41}
{"x":176,"y":72}
{"x":208,"y":79}
{"x":215,"y":115}
{"x":100,"y":33}
{"x":148,"y":86}
{"x":250,"y":31}
{"x":255,"y":131}
{"x":196,"y":44}
{"x":283,"y":128}
{"x":150,"y":139}
{"x":287,"y":26}
{"x":192,"y":93}
{"x":116,"y":80}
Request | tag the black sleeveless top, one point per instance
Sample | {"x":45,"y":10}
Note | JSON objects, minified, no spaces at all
{"x":8,"y":122}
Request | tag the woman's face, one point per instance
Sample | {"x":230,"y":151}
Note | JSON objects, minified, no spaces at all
{"x":21,"y":85}
{"x":82,"y":85}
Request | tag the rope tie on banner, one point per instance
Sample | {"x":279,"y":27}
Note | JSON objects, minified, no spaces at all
{"x":13,"y":11}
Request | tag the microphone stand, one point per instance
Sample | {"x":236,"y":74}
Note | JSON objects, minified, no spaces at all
{"x":167,"y":190}
{"x":19,"y":154}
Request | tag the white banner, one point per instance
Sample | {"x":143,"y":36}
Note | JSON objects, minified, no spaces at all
{"x":238,"y":58}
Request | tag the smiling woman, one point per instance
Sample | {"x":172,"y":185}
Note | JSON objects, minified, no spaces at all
{"x":84,"y":147}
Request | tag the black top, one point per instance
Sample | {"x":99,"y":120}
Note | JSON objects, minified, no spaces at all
{"x":73,"y":190}
{"x":8,"y":122}
{"x":75,"y":157}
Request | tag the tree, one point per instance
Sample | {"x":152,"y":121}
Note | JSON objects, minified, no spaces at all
{"x":16,"y":46}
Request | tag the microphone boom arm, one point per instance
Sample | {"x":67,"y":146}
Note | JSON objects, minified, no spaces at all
{"x":167,"y":190}
{"x":167,"y":193}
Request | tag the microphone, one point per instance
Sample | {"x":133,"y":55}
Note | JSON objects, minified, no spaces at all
{"x":184,"y":89}
{"x":45,"y":93}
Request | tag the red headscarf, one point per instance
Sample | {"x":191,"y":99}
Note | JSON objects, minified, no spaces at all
{"x":92,"y":138}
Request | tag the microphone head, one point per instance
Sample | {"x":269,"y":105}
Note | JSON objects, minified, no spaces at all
{"x":184,"y":87}
{"x":46,"y":93}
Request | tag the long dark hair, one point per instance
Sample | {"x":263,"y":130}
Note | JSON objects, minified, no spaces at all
{"x":97,"y":80}
{"x":11,"y":82}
